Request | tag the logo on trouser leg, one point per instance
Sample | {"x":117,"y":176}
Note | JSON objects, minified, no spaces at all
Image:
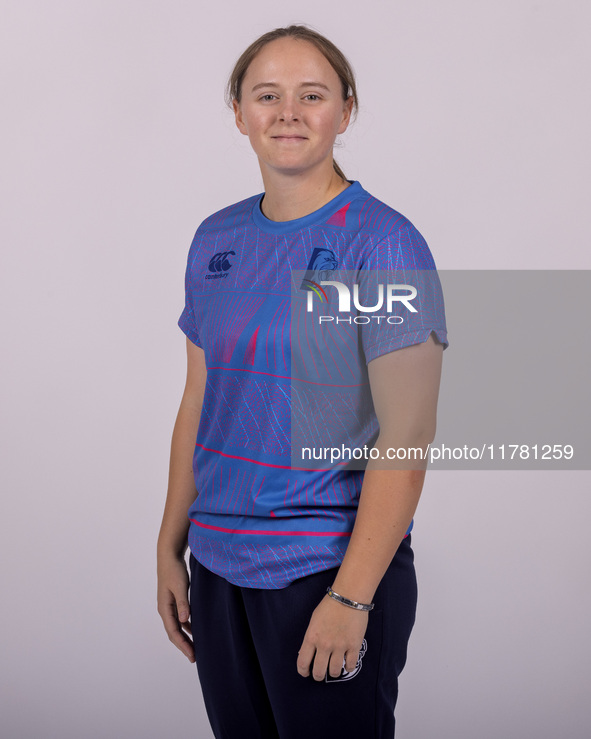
{"x":349,"y":675}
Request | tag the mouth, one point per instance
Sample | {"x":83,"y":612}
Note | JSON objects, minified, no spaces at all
{"x":290,"y":137}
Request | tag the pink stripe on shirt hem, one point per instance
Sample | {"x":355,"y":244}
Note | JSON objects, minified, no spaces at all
{"x":270,"y":533}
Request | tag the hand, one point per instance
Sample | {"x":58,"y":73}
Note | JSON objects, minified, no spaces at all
{"x":335,"y":633}
{"x":173,"y":605}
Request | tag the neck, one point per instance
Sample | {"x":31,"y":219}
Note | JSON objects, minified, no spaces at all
{"x":288,"y":197}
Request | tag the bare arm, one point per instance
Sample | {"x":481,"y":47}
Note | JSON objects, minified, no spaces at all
{"x":173,"y":580}
{"x":181,"y":484}
{"x":405,"y":387}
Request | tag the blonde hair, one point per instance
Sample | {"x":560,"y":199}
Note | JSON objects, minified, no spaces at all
{"x":334,"y":56}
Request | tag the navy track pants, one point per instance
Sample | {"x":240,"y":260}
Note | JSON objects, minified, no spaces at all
{"x":246,"y":645}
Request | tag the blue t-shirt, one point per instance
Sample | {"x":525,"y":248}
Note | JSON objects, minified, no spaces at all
{"x":258,"y":520}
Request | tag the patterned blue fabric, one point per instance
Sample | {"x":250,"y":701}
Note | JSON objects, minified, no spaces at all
{"x":257,"y":521}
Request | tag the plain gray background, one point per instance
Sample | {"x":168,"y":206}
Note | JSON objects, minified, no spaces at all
{"x":116,"y":143}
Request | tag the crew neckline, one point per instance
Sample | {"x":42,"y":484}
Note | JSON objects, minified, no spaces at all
{"x":311,"y":219}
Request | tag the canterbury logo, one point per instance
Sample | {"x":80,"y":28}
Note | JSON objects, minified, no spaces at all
{"x":219,"y":262}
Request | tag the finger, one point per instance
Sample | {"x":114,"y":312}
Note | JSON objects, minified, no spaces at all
{"x":175,"y":635}
{"x":183,"y":643}
{"x":187,"y":627}
{"x":305,"y":657}
{"x":169,"y":618}
{"x":336,"y":662}
{"x":320,"y":666}
{"x":351,"y":658}
{"x":184,"y":615}
{"x":182,"y":607}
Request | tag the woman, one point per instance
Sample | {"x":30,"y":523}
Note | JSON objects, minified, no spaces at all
{"x":303,"y":589}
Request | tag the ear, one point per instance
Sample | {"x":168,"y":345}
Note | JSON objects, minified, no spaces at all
{"x":238,"y":116}
{"x":347,"y":110}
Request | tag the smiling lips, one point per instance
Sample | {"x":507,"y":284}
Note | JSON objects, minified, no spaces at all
{"x":289,"y":137}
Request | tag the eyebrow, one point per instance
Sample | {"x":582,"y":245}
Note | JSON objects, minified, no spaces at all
{"x":304,"y":84}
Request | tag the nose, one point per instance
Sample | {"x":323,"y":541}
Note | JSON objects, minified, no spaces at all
{"x":289,"y":110}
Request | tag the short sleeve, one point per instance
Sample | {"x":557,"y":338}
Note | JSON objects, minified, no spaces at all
{"x":412,"y":296}
{"x":187,"y":325}
{"x":187,"y":322}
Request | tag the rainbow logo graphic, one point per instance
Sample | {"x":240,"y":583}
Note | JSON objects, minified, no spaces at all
{"x":315,"y":287}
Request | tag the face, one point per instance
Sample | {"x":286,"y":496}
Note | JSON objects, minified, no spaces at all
{"x":292,"y":107}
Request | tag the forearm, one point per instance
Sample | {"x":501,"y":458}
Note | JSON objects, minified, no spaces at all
{"x":387,"y":503}
{"x":181,"y":484}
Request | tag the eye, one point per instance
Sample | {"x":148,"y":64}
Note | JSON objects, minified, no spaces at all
{"x":267,"y":96}
{"x":312,"y":96}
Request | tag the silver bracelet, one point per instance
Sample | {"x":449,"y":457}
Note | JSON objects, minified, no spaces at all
{"x":351,"y":603}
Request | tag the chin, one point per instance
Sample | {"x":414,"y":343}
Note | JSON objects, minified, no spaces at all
{"x":292,"y":166}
